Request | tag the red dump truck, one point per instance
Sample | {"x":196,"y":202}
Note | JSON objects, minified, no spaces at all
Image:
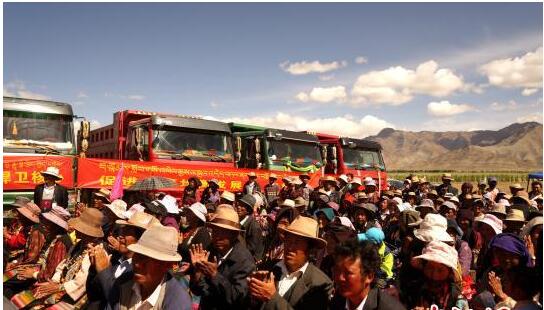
{"x":363,"y":158}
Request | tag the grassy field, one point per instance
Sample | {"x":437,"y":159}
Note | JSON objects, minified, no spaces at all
{"x":504,"y":178}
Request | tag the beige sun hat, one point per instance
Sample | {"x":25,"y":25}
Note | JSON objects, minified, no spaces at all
{"x":357,"y":181}
{"x":273,"y":176}
{"x":516,"y":186}
{"x":199,"y":210}
{"x":21,"y":201}
{"x":523,"y":196}
{"x":438,"y":252}
{"x":514,"y":215}
{"x":118,"y":207}
{"x":300,"y":202}
{"x":433,"y":228}
{"x":89,"y":223}
{"x":343,"y":177}
{"x":31,"y":211}
{"x":158,"y":242}
{"x":58,"y":215}
{"x":499,"y":208}
{"x":52,"y":171}
{"x":228,"y":196}
{"x":447,"y":176}
{"x":139,"y":219}
{"x":104,"y":193}
{"x":225,"y":217}
{"x":305,"y":227}
{"x":252,"y":174}
{"x":288,"y":203}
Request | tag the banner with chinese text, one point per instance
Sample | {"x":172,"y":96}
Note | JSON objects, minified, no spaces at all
{"x":23,"y":172}
{"x":96,"y":173}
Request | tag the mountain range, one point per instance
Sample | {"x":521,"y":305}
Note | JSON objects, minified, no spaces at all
{"x":517,"y":147}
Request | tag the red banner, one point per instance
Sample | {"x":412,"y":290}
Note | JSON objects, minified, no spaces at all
{"x":23,"y":172}
{"x":96,"y":173}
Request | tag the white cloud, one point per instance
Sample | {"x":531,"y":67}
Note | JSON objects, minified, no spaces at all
{"x":305,"y":67}
{"x":534,"y":117}
{"x":214,"y":104}
{"x":326,"y":77}
{"x":445,"y":108}
{"x":519,"y":72}
{"x":342,"y":126}
{"x":509,"y":106}
{"x":82,"y":95}
{"x":324,"y":94}
{"x":135,"y":97}
{"x":18,"y":89}
{"x":361,"y":60}
{"x":398,"y":85}
{"x":529,"y":91}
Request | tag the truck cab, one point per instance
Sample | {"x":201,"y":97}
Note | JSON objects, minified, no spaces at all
{"x":34,"y":126}
{"x":157,"y":137}
{"x":275,"y":149}
{"x":360,"y":157}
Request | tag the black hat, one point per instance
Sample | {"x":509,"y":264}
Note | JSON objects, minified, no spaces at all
{"x":248,"y":201}
{"x":156,"y":207}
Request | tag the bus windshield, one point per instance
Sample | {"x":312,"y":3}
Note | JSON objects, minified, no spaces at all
{"x":299,"y":153}
{"x":213,"y":146}
{"x":362,"y":159}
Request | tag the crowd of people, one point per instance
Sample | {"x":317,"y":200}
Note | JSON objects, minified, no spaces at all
{"x":343,"y":245}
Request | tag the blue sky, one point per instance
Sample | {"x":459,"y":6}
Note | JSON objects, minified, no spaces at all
{"x":284,"y":65}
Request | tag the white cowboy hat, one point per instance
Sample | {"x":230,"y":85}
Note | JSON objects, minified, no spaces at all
{"x":158,"y":242}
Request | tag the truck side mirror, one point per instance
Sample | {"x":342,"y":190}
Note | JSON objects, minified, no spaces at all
{"x":258,"y":152}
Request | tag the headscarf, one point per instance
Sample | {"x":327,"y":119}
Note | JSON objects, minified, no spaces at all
{"x":511,"y":243}
{"x":328,"y":212}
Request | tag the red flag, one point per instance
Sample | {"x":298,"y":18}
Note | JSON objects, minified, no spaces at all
{"x":117,"y":190}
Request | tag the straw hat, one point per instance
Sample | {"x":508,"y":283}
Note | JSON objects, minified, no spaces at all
{"x":357,"y":181}
{"x":498,"y":208}
{"x":158,"y":242}
{"x":58,"y":215}
{"x":118,"y":207}
{"x":296,"y":181}
{"x":521,"y":196}
{"x":329,"y":179}
{"x":530,"y":225}
{"x":225,"y":217}
{"x":433,"y":228}
{"x":21,"y":201}
{"x":53,"y":172}
{"x":368,"y":206}
{"x":228,"y":196}
{"x":447,"y":176}
{"x":455,"y":200}
{"x":170,"y":203}
{"x":305,"y":227}
{"x":273,"y":176}
{"x":397,"y":193}
{"x":133,"y":209}
{"x":344,"y":178}
{"x":104,"y":193}
{"x":287,"y":179}
{"x":288,"y":203}
{"x":516,"y":186}
{"x":426,"y":203}
{"x":492,"y":221}
{"x":370,"y":183}
{"x":515,"y":215}
{"x":300,"y":202}
{"x":438,"y":252}
{"x":449,"y":205}
{"x":139,"y":219}
{"x":415,"y":179}
{"x":214,"y":181}
{"x":411,"y":194}
{"x":361,"y":195}
{"x":252,"y":174}
{"x":89,"y":223}
{"x":432,"y":193}
{"x":31,"y":211}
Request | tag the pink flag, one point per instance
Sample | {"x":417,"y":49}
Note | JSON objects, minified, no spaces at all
{"x":117,"y":190}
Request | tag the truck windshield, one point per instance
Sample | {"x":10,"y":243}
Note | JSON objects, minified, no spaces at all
{"x":299,"y":153}
{"x":38,"y":128}
{"x":362,"y":159}
{"x":212,"y":146}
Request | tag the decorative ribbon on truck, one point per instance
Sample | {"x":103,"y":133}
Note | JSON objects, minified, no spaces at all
{"x":24,"y":172}
{"x":96,"y":173}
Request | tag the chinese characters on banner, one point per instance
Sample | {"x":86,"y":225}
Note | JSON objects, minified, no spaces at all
{"x":23,"y":172}
{"x":96,"y":173}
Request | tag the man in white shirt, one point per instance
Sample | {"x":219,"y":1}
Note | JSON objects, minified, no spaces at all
{"x":300,"y":284}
